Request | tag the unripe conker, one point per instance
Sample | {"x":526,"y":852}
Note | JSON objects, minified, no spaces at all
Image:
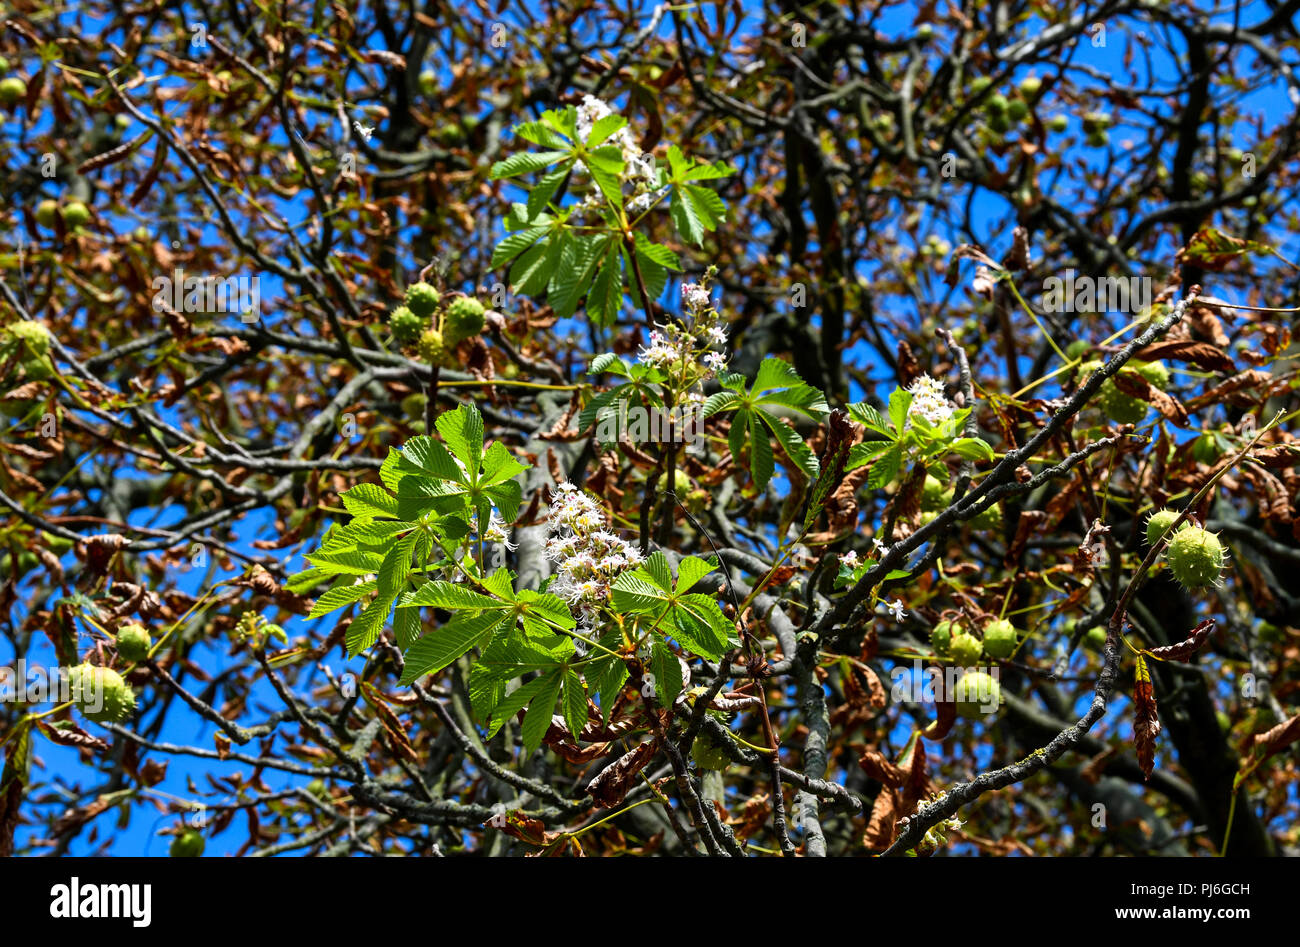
{"x":133,"y":642}
{"x":976,"y":694}
{"x":422,"y":299}
{"x":941,"y":637}
{"x":1000,"y":638}
{"x":965,"y":649}
{"x":188,"y":844}
{"x":1196,"y":557}
{"x":1158,"y":524}
{"x":115,"y":697}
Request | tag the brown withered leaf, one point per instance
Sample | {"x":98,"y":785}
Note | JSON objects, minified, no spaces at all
{"x":1026,"y":526}
{"x":1202,"y":354}
{"x":1194,"y":642}
{"x":1250,"y":378}
{"x":72,"y":735}
{"x":1278,"y":738}
{"x":1131,"y":383}
{"x":1146,"y":724}
{"x":909,"y":369}
{"x":612,"y":783}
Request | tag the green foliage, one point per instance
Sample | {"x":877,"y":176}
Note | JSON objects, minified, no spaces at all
{"x":551,"y":248}
{"x":905,"y":434}
{"x":777,"y":385}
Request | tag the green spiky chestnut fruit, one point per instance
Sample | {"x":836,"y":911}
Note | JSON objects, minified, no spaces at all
{"x":134,"y":642}
{"x":976,"y":695}
{"x":405,"y":325}
{"x":1196,"y":557}
{"x":75,"y":215}
{"x":464,"y":318}
{"x":115,"y":698}
{"x":12,"y":90}
{"x":422,"y":299}
{"x":1158,"y":524}
{"x":965,"y":649}
{"x":431,"y":346}
{"x":1000,"y":638}
{"x":707,"y":754}
{"x":941,"y":637}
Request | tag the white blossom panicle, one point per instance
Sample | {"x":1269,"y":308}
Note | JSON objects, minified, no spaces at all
{"x":928,"y":400}
{"x":695,"y":297}
{"x":496,"y":531}
{"x":588,"y":555}
{"x":661,"y":352}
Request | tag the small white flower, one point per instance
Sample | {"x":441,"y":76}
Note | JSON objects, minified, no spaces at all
{"x":850,"y":559}
{"x":879,"y":546}
{"x":695,"y":297}
{"x":716,"y":335}
{"x":896,"y":606}
{"x":928,"y":400}
{"x":715,"y":361}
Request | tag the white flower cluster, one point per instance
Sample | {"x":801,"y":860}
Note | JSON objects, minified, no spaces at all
{"x":704,"y":329}
{"x":928,"y":400}
{"x":589,"y":556}
{"x":497,"y":532}
{"x":640,"y":174}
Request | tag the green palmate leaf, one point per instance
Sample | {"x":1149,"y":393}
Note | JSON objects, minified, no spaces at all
{"x":762,"y":462}
{"x":539,"y":198}
{"x":575,"y":702}
{"x":462,"y":429}
{"x":339,"y":596}
{"x":428,"y":456}
{"x":701,"y":627}
{"x":656,"y":569}
{"x":439,"y":647}
{"x":736,"y":436}
{"x":691,"y":569}
{"x":395,"y":568}
{"x":369,"y":499}
{"x":864,"y":453}
{"x":633,"y":594}
{"x":608,"y":362}
{"x":522,"y":162}
{"x":971,"y":448}
{"x":667,"y":671}
{"x":449,"y":595}
{"x":499,"y":465}
{"x":541,"y":133}
{"x":603,"y":128}
{"x":538,"y":719}
{"x":573,"y":277}
{"x":886,"y":467}
{"x":686,"y":218}
{"x":406,"y":626}
{"x":365,"y":628}
{"x":867,"y":415}
{"x":720,"y":401}
{"x":899,"y":403}
{"x":506,"y":497}
{"x":793,"y":444}
{"x":516,"y":243}
{"x":306,"y":579}
{"x":349,"y":561}
{"x":606,"y":296}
